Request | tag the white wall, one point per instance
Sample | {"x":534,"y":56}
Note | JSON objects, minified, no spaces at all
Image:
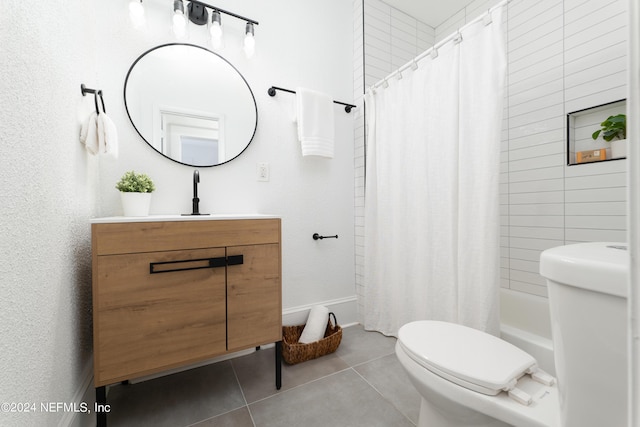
{"x":48,"y":194}
{"x":293,"y":49}
{"x":51,"y":187}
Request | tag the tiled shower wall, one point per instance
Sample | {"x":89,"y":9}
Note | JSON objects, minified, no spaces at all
{"x":563,"y":56}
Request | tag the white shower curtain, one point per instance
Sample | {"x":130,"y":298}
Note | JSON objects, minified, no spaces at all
{"x":432,"y":240}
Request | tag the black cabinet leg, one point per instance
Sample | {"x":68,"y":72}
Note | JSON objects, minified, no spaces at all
{"x":278,"y":365}
{"x":101,"y":402}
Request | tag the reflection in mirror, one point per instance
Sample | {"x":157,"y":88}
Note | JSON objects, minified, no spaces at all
{"x":190,"y":105}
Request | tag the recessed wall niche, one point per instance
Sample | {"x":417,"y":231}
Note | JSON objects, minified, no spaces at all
{"x":581,"y":124}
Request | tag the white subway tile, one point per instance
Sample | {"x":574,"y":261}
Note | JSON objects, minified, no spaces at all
{"x":596,"y":208}
{"x":537,"y":232}
{"x":536,"y":186}
{"x":525,"y":254}
{"x":588,"y":235}
{"x":537,"y":198}
{"x":528,"y":266}
{"x":532,"y":220}
{"x":539,"y":209}
{"x":537,"y":162}
{"x":598,"y":222}
{"x":596,"y":181}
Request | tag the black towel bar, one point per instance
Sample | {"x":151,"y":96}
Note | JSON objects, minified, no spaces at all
{"x":272,"y":92}
{"x":316,"y":236}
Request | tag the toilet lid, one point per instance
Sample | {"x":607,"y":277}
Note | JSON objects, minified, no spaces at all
{"x":465,"y":356}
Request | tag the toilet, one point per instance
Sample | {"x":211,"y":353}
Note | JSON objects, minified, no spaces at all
{"x":470,"y":378}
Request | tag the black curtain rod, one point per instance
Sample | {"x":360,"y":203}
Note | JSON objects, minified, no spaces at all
{"x":272,"y":92}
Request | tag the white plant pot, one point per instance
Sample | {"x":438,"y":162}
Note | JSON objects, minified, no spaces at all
{"x":135,"y":204}
{"x":618,"y":148}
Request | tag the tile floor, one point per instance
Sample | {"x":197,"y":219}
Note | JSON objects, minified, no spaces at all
{"x":361,"y":384}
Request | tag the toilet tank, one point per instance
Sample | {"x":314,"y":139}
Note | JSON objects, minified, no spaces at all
{"x":587,"y":284}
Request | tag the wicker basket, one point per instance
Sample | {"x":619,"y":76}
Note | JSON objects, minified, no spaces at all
{"x":294,"y":352}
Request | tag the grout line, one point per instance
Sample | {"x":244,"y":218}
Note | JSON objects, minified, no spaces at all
{"x":278,"y":393}
{"x":246,"y":404}
{"x":379,"y":392}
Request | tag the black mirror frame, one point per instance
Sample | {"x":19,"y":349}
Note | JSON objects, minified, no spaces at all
{"x":124,"y":97}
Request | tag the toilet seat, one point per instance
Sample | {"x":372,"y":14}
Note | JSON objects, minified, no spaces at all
{"x":465,"y":356}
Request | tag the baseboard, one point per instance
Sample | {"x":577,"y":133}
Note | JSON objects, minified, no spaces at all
{"x":84,"y":394}
{"x":345,"y":309}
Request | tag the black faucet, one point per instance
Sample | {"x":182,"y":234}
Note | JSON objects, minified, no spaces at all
{"x":196,"y":200}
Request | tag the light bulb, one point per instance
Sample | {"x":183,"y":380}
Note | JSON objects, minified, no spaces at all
{"x":136,"y":13}
{"x":179,"y":24}
{"x":215,"y":29}
{"x":249,"y":41}
{"x":179,"y":21}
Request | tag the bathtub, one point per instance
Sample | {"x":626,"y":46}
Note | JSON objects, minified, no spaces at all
{"x":525,"y":323}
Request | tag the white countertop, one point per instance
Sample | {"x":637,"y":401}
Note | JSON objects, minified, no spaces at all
{"x":157,"y":218}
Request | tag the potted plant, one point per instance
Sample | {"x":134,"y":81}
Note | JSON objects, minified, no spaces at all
{"x":135,"y":192}
{"x":614,"y":130}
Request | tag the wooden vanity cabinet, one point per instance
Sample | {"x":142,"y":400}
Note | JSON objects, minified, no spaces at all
{"x":170,"y":293}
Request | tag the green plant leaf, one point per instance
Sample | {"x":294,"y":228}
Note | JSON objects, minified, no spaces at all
{"x":613,"y":127}
{"x":132,"y":182}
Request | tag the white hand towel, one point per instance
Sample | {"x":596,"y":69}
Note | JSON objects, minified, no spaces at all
{"x":89,"y":134}
{"x":107,"y":136}
{"x":316,"y":324}
{"x":315,"y":122}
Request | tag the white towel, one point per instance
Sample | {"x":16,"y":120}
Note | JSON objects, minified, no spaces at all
{"x":99,"y":135}
{"x":89,"y":134}
{"x":316,"y":324}
{"x":315,"y":122}
{"x":107,"y":136}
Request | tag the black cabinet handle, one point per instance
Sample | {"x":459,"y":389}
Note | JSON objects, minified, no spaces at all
{"x":235,"y":260}
{"x":187,"y":264}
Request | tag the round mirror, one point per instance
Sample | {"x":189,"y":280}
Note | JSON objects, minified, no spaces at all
{"x":190,"y":104}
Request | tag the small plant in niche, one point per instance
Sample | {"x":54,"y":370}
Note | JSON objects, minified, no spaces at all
{"x":132,"y":182}
{"x":615,"y":127}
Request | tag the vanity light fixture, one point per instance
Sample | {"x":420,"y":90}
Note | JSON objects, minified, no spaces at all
{"x":249,"y":45}
{"x":197,"y":12}
{"x":136,"y":13}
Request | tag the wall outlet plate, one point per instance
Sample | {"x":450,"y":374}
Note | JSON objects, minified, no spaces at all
{"x":262,"y":171}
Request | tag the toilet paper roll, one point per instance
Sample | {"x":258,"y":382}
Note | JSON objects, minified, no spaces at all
{"x":316,"y":324}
